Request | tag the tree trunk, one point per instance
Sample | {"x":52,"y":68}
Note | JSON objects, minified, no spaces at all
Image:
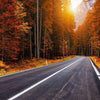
{"x":3,"y":41}
{"x":23,"y":51}
{"x":63,"y":47}
{"x":38,"y":53}
{"x":35,"y":38}
{"x":2,"y":47}
{"x":40,"y":25}
{"x":44,"y":43}
{"x":91,"y":51}
{"x":30,"y":45}
{"x":98,"y":53}
{"x":68,"y":45}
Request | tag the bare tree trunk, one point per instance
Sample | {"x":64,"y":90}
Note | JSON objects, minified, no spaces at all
{"x":40,"y":26}
{"x":81,"y":49}
{"x":98,"y":52}
{"x":3,"y":40}
{"x":30,"y":45}
{"x":63,"y":47}
{"x":38,"y":53}
{"x":44,"y":43}
{"x":2,"y":47}
{"x":68,"y":45}
{"x":23,"y":52}
{"x":35,"y":37}
{"x":91,"y":50}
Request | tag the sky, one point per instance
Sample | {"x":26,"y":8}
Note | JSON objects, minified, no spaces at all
{"x":82,"y":9}
{"x":75,"y":3}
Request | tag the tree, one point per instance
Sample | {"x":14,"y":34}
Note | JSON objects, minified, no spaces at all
{"x":89,"y":32}
{"x":69,"y":24}
{"x":13,"y":28}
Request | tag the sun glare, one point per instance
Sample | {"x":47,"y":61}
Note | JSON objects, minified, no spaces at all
{"x":74,"y":4}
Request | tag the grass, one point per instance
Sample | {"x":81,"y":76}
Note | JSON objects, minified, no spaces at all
{"x":96,"y":60}
{"x":28,"y":64}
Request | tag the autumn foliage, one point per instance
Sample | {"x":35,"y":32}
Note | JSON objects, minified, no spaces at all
{"x":12,"y":29}
{"x":87,"y":39}
{"x":54,"y":36}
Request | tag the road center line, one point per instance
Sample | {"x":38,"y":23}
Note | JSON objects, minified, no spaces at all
{"x":95,"y":69}
{"x":36,"y":84}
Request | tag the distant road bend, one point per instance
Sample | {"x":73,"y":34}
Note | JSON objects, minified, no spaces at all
{"x":74,"y":79}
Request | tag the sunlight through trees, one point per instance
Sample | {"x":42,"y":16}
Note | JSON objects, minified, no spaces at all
{"x":46,"y":29}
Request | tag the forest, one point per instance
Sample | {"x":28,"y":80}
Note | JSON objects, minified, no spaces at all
{"x":49,"y":49}
{"x":46,"y":29}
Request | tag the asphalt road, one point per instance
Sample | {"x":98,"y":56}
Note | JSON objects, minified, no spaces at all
{"x":74,"y":79}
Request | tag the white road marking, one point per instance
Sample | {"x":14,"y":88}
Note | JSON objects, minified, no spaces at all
{"x":94,"y":67}
{"x":99,"y":77}
{"x":36,"y":84}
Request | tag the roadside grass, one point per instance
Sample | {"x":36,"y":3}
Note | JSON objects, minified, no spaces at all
{"x":96,"y":60}
{"x":28,"y":64}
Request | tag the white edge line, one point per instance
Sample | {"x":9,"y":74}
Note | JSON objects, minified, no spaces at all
{"x":36,"y":84}
{"x":99,"y":77}
{"x":26,"y":70}
{"x":95,"y":69}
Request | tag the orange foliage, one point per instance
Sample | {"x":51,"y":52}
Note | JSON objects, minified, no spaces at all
{"x":96,"y":60}
{"x":3,"y":66}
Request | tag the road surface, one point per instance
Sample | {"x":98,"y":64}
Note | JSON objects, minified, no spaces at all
{"x":73,"y":79}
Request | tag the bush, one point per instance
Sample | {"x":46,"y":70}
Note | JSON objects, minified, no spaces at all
{"x":3,"y":66}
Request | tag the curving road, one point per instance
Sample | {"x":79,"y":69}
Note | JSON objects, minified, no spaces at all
{"x":74,"y":79}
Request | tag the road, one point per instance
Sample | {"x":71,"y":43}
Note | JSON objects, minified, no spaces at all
{"x":74,"y":79}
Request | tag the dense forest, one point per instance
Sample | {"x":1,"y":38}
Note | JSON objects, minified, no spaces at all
{"x":46,"y":28}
